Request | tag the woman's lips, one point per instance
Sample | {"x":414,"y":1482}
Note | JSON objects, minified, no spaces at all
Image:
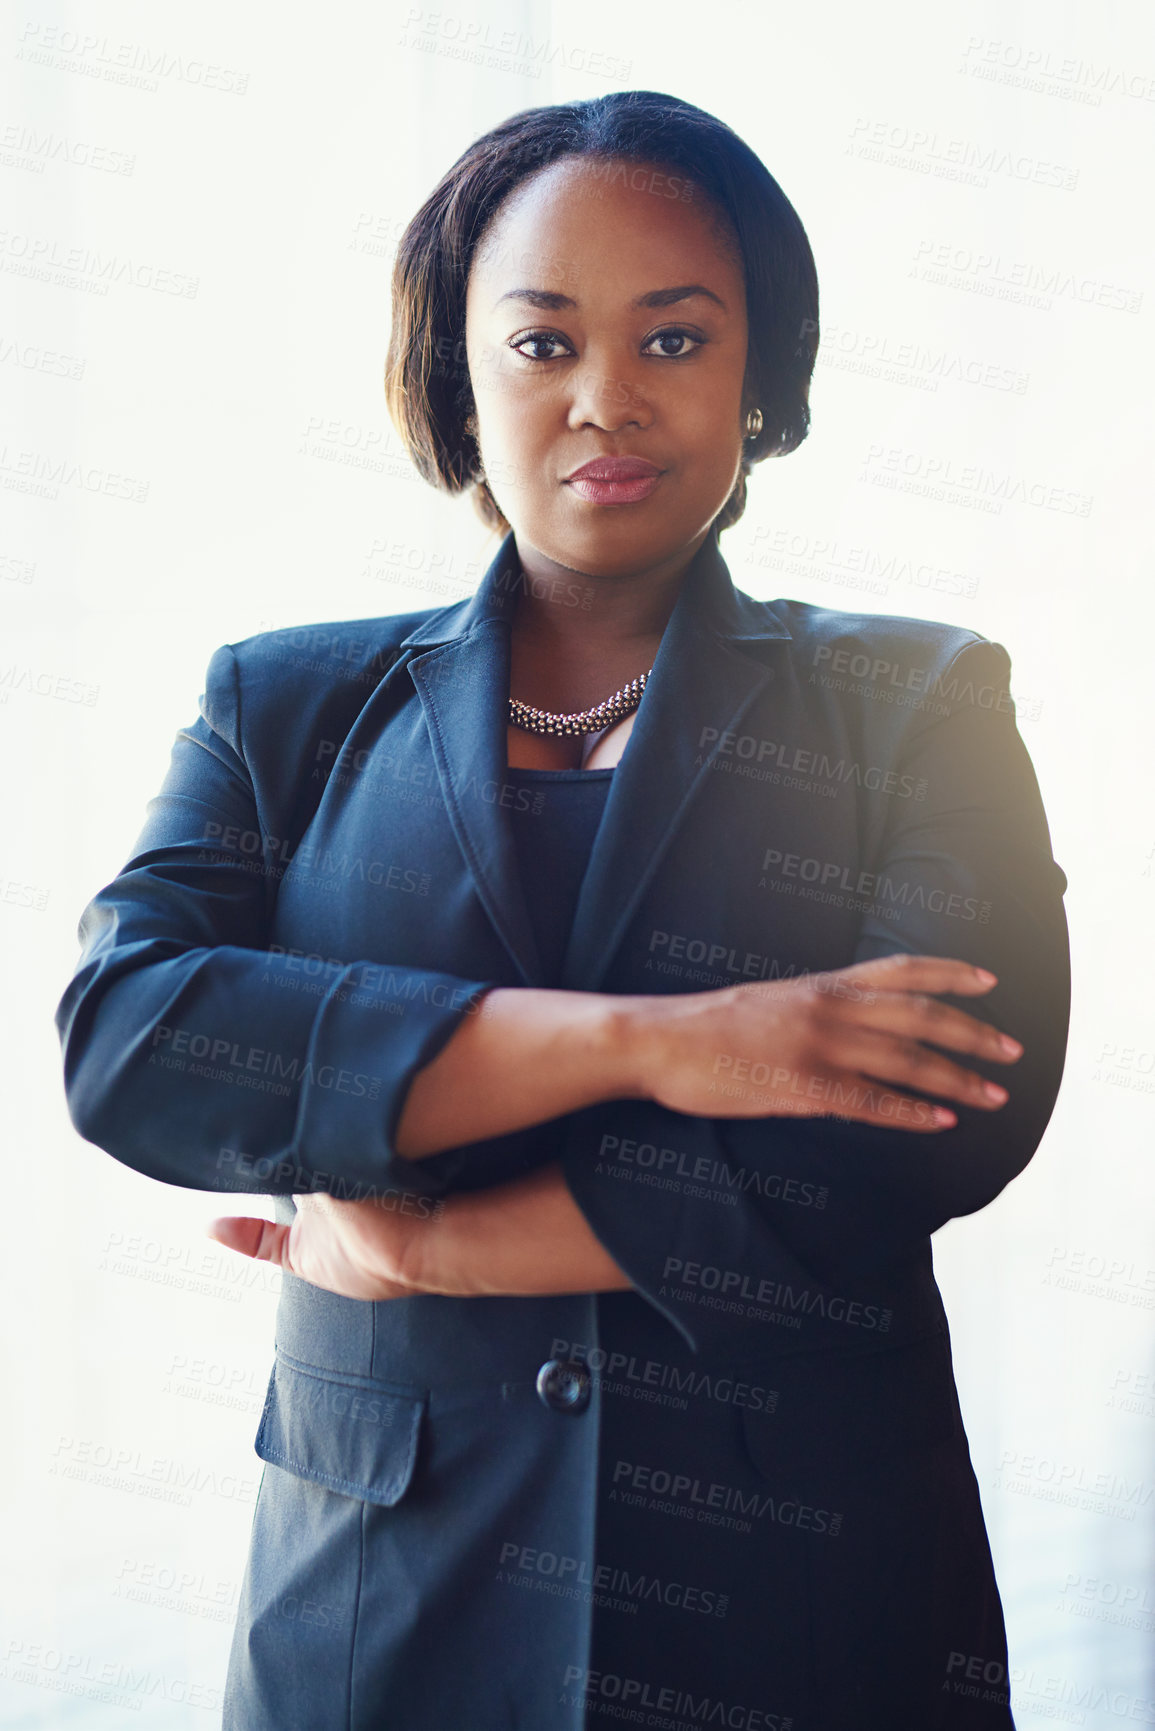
{"x":625,"y":491}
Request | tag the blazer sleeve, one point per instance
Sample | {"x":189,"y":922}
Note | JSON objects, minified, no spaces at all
{"x":719,"y":1218}
{"x":200,"y":1057}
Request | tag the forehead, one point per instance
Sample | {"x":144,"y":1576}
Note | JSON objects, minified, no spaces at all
{"x":583,"y":221}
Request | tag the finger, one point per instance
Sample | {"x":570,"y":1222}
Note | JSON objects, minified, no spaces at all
{"x":892,"y":1058}
{"x":921,"y":1017}
{"x":891,"y":1109}
{"x":865,"y":1100}
{"x":263,"y":1240}
{"x":906,"y":972}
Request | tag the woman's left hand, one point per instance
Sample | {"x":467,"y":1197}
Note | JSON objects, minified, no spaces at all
{"x":355,"y":1249}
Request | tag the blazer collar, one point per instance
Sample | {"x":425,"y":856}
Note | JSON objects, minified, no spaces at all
{"x":702,"y":682}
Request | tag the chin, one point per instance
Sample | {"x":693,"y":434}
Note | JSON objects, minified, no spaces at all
{"x":611,"y":534}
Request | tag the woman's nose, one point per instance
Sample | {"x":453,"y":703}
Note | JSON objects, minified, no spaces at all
{"x":608,"y":395}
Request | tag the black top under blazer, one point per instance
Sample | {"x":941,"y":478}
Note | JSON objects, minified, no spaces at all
{"x":740,"y":1493}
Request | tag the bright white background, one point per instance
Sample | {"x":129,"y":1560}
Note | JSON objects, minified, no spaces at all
{"x":248,"y":418}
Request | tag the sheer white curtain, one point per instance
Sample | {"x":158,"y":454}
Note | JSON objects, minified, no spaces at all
{"x":200,"y":214}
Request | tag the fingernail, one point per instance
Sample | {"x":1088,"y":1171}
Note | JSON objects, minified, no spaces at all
{"x":944,"y":1116}
{"x":1012,"y":1047}
{"x":994,"y":1092}
{"x":985,"y":975}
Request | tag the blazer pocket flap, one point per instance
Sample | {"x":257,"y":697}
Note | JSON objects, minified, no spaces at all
{"x":353,"y":1434}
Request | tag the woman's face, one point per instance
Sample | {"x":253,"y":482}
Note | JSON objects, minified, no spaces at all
{"x":568,"y":362}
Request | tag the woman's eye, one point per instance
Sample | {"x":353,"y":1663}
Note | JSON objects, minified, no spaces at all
{"x":676,"y":336}
{"x":537,"y":339}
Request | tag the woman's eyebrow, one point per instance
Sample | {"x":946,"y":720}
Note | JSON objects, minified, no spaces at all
{"x":548,"y":301}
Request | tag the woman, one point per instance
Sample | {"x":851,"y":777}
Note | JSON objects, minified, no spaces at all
{"x":620,"y":1064}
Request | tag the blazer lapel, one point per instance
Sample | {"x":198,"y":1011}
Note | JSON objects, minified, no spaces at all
{"x":706,"y":673}
{"x":701,"y":685}
{"x":463,"y":684}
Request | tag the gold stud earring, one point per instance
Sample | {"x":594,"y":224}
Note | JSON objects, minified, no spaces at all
{"x":753,"y":423}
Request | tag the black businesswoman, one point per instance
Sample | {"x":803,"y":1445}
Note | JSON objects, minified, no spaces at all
{"x":610,"y":975}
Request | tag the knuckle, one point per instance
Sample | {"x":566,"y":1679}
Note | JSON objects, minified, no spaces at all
{"x":917,"y":1056}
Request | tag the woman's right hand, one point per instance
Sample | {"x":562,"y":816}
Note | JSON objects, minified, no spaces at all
{"x":847,"y":1044}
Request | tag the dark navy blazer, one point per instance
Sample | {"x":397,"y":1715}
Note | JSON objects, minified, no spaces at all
{"x":761,"y":1499}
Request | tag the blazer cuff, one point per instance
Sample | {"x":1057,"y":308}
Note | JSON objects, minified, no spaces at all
{"x":377,"y":1026}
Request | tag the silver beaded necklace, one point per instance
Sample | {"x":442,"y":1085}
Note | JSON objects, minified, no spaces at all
{"x":580,"y":721}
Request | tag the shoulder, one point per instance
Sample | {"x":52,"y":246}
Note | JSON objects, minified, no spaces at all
{"x":321,"y":671}
{"x":892,"y":670}
{"x":824,"y":635}
{"x":325,"y":653}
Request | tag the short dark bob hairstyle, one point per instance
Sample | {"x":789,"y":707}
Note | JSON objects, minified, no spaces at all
{"x":427,"y":386}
